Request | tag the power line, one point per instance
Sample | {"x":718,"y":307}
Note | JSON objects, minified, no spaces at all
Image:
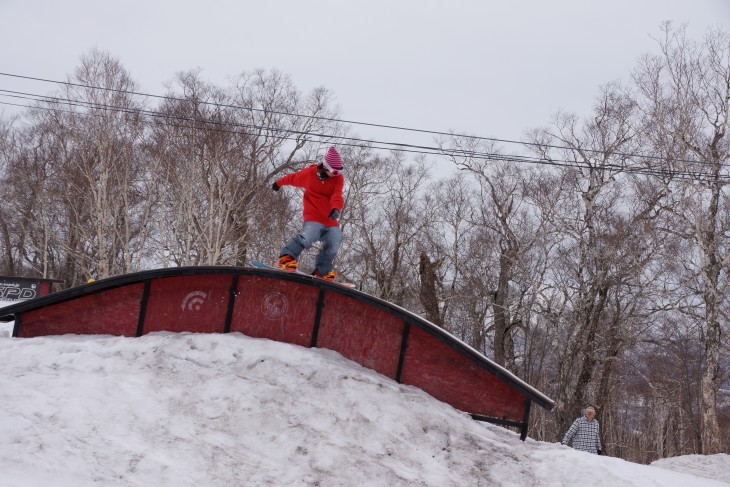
{"x":433,"y":150}
{"x":352,"y":122}
{"x":349,"y":141}
{"x":355,"y":142}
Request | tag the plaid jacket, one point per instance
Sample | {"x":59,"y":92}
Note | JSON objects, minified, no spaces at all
{"x":584,"y":434}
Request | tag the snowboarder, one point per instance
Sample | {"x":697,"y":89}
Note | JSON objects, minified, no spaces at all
{"x":323,"y":203}
{"x":584,"y":432}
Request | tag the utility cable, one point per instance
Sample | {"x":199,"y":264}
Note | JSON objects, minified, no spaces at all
{"x":356,"y":142}
{"x":352,"y":122}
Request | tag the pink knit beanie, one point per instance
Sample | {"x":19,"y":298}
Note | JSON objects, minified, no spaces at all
{"x":333,"y":159}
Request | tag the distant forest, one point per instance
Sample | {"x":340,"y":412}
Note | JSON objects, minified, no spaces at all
{"x":593,"y":263}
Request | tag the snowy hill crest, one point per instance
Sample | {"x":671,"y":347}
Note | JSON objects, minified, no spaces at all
{"x":187,"y":409}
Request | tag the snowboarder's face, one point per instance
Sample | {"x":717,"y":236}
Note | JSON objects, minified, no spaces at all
{"x":323,"y":173}
{"x":330,"y":170}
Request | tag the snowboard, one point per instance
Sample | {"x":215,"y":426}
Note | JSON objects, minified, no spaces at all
{"x":266,"y":266}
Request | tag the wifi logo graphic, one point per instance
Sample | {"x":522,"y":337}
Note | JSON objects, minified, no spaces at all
{"x":193,"y":301}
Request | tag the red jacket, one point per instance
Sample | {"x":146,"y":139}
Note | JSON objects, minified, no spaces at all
{"x":320,"y":197}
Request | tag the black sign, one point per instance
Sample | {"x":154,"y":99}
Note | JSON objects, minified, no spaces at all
{"x":22,"y":288}
{"x":18,"y":290}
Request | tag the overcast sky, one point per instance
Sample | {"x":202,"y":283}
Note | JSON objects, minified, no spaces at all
{"x":484,"y":67}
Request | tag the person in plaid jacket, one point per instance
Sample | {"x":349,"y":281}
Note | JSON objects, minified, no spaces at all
{"x":585,"y":432}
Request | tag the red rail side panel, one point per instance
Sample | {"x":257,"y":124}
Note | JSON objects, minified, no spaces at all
{"x":361,"y":332}
{"x":44,"y":288}
{"x":449,"y":376}
{"x":196,"y":303}
{"x":285,"y":309}
{"x":112,"y":312}
{"x":275,"y":309}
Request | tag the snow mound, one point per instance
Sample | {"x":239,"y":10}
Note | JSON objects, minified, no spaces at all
{"x":228,"y":410}
{"x":6,"y":329}
{"x":708,"y":466}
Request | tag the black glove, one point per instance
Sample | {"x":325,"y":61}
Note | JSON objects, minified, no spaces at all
{"x":275,"y":187}
{"x":599,"y":452}
{"x":334,"y":214}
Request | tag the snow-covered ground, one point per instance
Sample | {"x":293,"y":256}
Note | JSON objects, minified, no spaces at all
{"x":6,"y":329}
{"x":229,"y":410}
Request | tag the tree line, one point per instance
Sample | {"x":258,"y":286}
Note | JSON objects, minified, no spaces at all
{"x":596,"y":269}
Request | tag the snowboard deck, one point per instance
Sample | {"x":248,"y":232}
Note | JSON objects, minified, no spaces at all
{"x":267,"y":266}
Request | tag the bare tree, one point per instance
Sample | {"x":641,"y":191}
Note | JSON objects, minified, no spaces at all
{"x":430,"y":279}
{"x":600,"y":263}
{"x":443,"y":254}
{"x":389,"y":227}
{"x":366,"y":175}
{"x":217,"y":151}
{"x":86,"y":195}
{"x":9,"y":239}
{"x":502,"y":211}
{"x":34,"y":213}
{"x":193,"y":146}
{"x":685,"y":96}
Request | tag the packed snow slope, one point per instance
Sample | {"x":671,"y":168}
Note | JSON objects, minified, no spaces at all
{"x":229,"y":410}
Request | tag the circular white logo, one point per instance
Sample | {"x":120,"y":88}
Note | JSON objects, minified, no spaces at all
{"x":274,"y":305}
{"x":193,"y":301}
